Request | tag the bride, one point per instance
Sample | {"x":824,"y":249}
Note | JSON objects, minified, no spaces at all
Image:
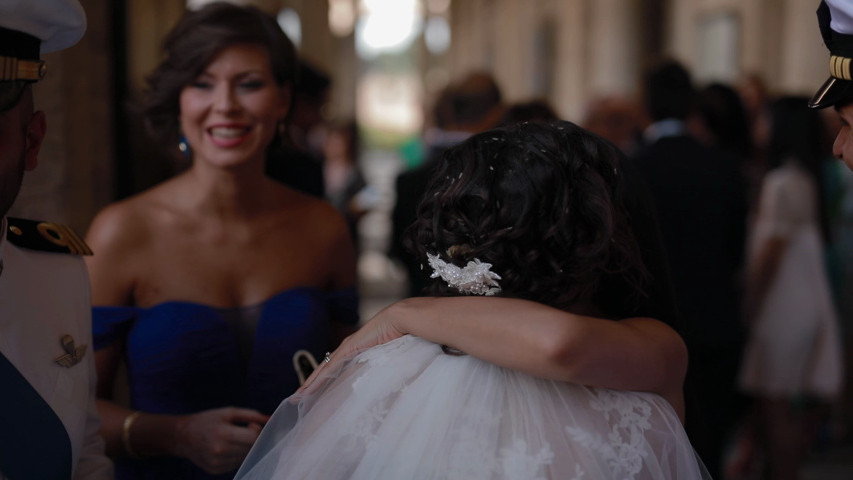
{"x":515,"y":369}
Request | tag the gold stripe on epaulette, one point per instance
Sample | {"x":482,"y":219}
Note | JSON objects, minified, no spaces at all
{"x":64,"y":236}
{"x":12,"y":68}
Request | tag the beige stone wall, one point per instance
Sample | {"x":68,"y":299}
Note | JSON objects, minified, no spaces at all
{"x":778,"y":39}
{"x":566,"y":50}
{"x":602,"y":44}
{"x":74,"y":175}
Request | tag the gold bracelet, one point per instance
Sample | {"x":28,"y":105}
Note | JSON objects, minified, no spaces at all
{"x":125,"y":433}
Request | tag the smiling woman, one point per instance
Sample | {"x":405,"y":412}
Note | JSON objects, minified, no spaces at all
{"x":211,"y":284}
{"x":231,"y":111}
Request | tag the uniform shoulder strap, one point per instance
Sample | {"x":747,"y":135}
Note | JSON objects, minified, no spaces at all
{"x":45,"y":237}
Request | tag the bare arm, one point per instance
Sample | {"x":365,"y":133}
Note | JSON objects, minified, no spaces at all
{"x":114,"y":239}
{"x":632,"y":354}
{"x":638,"y":354}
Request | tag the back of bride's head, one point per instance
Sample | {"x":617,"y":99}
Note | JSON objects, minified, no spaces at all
{"x":541,"y":203}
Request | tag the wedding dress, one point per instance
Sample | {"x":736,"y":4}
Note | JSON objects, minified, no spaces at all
{"x":406,"y":410}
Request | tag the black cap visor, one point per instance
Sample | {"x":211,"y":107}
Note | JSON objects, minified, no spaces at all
{"x":833,"y":92}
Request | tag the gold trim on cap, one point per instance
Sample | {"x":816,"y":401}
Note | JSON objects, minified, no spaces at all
{"x":839,"y":67}
{"x":12,"y":68}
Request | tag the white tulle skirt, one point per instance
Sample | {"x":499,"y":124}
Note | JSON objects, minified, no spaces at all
{"x":405,"y":410}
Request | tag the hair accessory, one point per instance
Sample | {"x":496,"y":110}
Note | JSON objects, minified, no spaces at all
{"x":327,"y":358}
{"x":476,"y":278}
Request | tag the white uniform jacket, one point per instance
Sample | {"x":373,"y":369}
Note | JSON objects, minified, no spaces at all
{"x":46,"y":335}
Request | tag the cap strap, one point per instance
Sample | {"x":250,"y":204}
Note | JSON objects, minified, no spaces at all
{"x":13,"y":68}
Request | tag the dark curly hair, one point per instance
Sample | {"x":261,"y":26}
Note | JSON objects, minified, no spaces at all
{"x":541,"y":202}
{"x":194,"y":42}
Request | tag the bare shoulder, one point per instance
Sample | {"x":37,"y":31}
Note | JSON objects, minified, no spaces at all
{"x":125,"y":225}
{"x":316,"y":215}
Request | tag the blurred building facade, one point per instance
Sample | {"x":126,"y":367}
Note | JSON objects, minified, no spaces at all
{"x":565,"y":51}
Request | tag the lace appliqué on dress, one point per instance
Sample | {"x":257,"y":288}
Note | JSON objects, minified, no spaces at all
{"x":478,"y":459}
{"x":518,"y":463}
{"x":372,"y":381}
{"x":625,"y":447}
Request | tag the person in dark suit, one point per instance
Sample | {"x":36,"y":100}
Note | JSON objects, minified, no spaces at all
{"x":292,"y":159}
{"x":700,"y":201}
{"x":471,"y":106}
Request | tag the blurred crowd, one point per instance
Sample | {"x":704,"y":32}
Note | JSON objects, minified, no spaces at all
{"x":734,"y":172}
{"x":221,"y":275}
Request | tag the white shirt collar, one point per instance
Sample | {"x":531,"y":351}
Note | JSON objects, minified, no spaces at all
{"x":668,"y":127}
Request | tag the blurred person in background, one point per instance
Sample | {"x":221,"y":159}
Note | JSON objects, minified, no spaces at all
{"x":472,"y":105}
{"x":700,"y":200}
{"x":756,"y":100}
{"x":615,"y":118}
{"x":220,"y":287}
{"x":538,"y":110}
{"x":792,"y":363}
{"x":721,"y":121}
{"x":346,"y":187}
{"x":297,"y":160}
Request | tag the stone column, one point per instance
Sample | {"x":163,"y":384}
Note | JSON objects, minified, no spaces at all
{"x":74,"y":175}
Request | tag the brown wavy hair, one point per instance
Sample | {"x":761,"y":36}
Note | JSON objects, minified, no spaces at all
{"x":194,"y":42}
{"x":541,"y":202}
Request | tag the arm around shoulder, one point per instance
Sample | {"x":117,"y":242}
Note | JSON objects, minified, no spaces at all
{"x":640,"y":354}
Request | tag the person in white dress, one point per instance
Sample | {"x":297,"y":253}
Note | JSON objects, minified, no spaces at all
{"x":514,"y":370}
{"x":793,"y":355}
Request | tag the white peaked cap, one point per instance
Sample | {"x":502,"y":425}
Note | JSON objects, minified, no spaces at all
{"x":58,"y":24}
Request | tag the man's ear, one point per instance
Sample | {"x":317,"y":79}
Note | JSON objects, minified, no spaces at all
{"x":36,"y":129}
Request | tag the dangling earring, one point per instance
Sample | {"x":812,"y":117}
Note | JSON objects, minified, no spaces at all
{"x":183,"y":145}
{"x":279,"y":140}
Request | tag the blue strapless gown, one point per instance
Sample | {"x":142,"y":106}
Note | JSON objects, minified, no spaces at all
{"x":184,"y":357}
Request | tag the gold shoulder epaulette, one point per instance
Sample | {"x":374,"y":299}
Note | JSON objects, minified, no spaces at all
{"x":45,"y":237}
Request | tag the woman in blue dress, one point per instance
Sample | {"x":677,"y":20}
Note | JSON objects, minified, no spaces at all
{"x":218,"y":287}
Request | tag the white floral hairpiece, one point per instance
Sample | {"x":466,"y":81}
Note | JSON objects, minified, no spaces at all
{"x":476,"y":278}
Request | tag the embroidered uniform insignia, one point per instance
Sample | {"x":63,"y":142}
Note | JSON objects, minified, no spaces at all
{"x":72,"y":355}
{"x":45,"y":236}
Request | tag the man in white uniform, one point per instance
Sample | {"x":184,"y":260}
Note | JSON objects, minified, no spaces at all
{"x":835,"y":18}
{"x":48,"y":421}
